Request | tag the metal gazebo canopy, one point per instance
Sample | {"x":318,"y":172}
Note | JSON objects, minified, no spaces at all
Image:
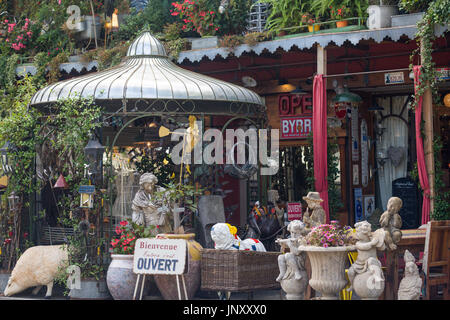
{"x":148,"y":82}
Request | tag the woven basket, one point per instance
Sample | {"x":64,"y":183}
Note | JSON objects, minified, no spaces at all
{"x":238,"y":270}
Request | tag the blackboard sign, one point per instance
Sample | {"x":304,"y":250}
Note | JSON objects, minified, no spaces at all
{"x":406,"y":189}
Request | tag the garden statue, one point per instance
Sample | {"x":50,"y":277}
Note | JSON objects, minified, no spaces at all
{"x":225,"y":238}
{"x":293,"y":277}
{"x":365,"y":274}
{"x":38,"y":266}
{"x":263,"y":225}
{"x":147,"y":209}
{"x":391,"y":222}
{"x":317,"y":216}
{"x":411,"y":285}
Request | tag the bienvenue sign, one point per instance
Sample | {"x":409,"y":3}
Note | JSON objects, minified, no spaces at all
{"x":159,"y":256}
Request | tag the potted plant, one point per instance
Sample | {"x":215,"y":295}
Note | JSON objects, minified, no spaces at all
{"x":120,"y":277}
{"x":414,"y":11}
{"x":310,"y":20}
{"x":380,"y":13}
{"x":199,"y":18}
{"x":326,"y":246}
{"x":339,"y":14}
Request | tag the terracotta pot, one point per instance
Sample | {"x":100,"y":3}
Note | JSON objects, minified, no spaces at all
{"x":328,"y":269}
{"x":167,"y":284}
{"x":316,"y":28}
{"x":341,"y":24}
{"x":120,"y":277}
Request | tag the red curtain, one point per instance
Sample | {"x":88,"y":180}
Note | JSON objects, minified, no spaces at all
{"x":423,"y":176}
{"x":320,"y":140}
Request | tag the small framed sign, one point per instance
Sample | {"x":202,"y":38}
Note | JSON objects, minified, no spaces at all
{"x":294,"y":210}
{"x":87,"y":196}
{"x":159,"y":256}
{"x":394,"y":77}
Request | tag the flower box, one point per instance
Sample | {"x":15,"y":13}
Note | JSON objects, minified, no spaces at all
{"x":204,"y":42}
{"x":91,"y":289}
{"x":238,"y":270}
{"x":406,"y":19}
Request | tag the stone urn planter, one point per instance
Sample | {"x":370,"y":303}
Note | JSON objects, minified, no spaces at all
{"x":328,"y":269}
{"x":167,"y":284}
{"x":120,"y":277}
{"x":295,"y":289}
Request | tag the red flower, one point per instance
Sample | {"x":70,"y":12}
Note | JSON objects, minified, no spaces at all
{"x":123,"y":223}
{"x":118,"y":230}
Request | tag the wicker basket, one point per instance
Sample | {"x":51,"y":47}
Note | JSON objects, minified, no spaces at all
{"x":238,"y":270}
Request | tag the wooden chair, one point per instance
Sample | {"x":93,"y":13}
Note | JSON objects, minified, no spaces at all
{"x":436,"y":258}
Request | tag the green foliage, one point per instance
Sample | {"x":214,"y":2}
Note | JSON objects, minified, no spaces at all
{"x":334,"y":196}
{"x":154,"y":17}
{"x":321,"y":8}
{"x":285,"y":13}
{"x":412,"y":6}
{"x":182,"y":194}
{"x":157,"y":163}
{"x":441,"y":197}
{"x":234,"y":19}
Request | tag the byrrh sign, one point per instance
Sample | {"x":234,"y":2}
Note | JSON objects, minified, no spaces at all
{"x":295,"y":124}
{"x":159,"y":256}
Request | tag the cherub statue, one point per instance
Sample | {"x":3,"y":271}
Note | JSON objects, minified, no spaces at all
{"x":411,"y":284}
{"x":317,"y":216}
{"x":147,"y":210}
{"x":294,"y":259}
{"x":391,"y":222}
{"x":365,"y":274}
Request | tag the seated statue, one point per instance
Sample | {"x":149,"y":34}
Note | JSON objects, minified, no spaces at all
{"x":365,"y":274}
{"x":391,"y":222}
{"x":294,"y":259}
{"x":147,"y":209}
{"x":410,"y":287}
{"x":317,"y":216}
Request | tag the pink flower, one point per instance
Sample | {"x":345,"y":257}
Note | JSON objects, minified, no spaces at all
{"x":122,"y":223}
{"x":325,"y":245}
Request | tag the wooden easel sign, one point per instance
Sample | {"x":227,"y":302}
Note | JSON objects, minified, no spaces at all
{"x":159,"y":256}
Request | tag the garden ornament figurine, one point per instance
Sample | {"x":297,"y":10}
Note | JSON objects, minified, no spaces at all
{"x":147,"y":210}
{"x":38,"y":266}
{"x":225,"y":238}
{"x":365,"y":274}
{"x":391,"y":222}
{"x":411,"y":285}
{"x":293,"y":277}
{"x":317,"y":216}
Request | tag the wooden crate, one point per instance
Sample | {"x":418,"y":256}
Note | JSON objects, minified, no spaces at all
{"x":238,"y":270}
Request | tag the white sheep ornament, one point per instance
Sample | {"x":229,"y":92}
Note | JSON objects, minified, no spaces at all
{"x":37,"y":267}
{"x":225,"y":237}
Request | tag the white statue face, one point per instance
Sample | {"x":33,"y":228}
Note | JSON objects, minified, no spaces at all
{"x":148,"y":187}
{"x":393,"y":206}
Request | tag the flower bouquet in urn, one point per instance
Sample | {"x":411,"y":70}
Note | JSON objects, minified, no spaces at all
{"x":126,"y":234}
{"x":331,"y":235}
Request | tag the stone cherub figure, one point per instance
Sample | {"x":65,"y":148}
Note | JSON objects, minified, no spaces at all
{"x":317,"y":216}
{"x":147,"y":209}
{"x":293,"y":277}
{"x":391,"y":222}
{"x":365,"y":274}
{"x":294,"y":259}
{"x":411,"y":285}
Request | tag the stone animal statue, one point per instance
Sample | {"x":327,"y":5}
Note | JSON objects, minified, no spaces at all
{"x":225,"y":237}
{"x":37,"y":267}
{"x":365,"y":274}
{"x":391,"y":222}
{"x":411,"y":285}
{"x":264,"y":225}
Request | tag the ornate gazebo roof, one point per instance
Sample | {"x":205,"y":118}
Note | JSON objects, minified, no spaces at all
{"x":148,"y":81}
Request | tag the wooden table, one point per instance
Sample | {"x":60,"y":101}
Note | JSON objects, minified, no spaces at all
{"x":414,"y":241}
